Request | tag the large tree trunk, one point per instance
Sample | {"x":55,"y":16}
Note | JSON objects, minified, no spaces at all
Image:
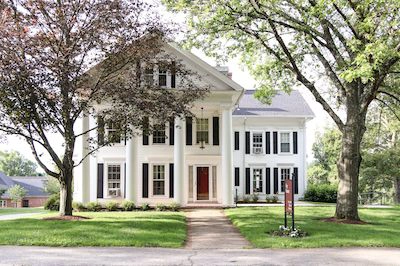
{"x":66,"y":194}
{"x":397,"y":190}
{"x":349,"y":163}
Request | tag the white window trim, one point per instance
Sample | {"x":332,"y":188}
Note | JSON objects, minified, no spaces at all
{"x":194,"y":129}
{"x":167,"y":136}
{"x":280,"y":177}
{"x":3,"y":203}
{"x":105,"y":181}
{"x":252,"y":143}
{"x":107,"y":132}
{"x":166,"y":180}
{"x":262,"y":179}
{"x":290,"y":142}
{"x":156,"y":74}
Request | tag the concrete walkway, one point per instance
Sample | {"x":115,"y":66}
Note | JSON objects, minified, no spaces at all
{"x":17,"y":216}
{"x":11,"y":255}
{"x":211,"y":229}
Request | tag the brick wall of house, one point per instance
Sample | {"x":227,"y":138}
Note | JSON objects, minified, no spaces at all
{"x":33,"y":202}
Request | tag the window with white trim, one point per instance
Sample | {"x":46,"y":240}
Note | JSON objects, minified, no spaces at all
{"x":285,"y":142}
{"x":2,"y":203}
{"x":159,"y":135}
{"x":202,"y":130}
{"x":158,"y":180}
{"x":114,"y":180}
{"x":285,"y":175}
{"x":257,"y":180}
{"x":257,"y":143}
{"x":113,"y":132}
{"x":162,"y":77}
{"x":149,"y":76}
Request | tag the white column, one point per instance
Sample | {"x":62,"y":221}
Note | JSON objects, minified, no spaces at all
{"x":132,"y":165}
{"x":227,"y":157}
{"x":93,"y":162}
{"x":179,"y":163}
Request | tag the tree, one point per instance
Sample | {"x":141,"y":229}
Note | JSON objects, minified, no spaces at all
{"x":52,"y":186}
{"x":341,"y":51}
{"x":14,"y":164}
{"x":16,"y":193}
{"x":64,"y":60}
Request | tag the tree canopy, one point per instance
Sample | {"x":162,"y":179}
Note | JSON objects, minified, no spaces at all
{"x":14,"y":164}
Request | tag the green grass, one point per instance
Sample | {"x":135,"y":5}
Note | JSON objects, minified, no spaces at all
{"x":6,"y":211}
{"x":140,"y":229}
{"x":255,"y":223}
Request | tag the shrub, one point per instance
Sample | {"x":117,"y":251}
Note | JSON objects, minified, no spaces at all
{"x":174,"y":206}
{"x":246,"y":199}
{"x":254,"y":197}
{"x":128,"y":205}
{"x":161,"y":207}
{"x":53,"y":203}
{"x":145,"y":207}
{"x":93,"y":206}
{"x":268,"y":199}
{"x":78,"y":206}
{"x":111,"y":206}
{"x":321,"y":193}
{"x":274,"y":199}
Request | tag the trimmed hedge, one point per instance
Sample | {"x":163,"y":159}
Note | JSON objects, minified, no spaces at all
{"x":321,"y":193}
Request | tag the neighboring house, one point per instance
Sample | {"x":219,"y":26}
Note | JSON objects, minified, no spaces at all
{"x":34,"y":185}
{"x":235,"y":142}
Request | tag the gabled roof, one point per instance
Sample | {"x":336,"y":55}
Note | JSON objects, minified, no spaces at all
{"x":33,"y":184}
{"x":282,"y":105}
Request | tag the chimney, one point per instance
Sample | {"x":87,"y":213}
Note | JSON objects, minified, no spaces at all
{"x":224,"y":70}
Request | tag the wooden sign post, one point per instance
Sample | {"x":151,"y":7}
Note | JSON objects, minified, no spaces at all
{"x":289,"y":201}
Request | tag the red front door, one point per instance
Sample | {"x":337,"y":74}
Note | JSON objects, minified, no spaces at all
{"x":202,"y":183}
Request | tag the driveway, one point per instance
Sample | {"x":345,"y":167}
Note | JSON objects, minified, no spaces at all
{"x":10,"y":255}
{"x":17,"y":216}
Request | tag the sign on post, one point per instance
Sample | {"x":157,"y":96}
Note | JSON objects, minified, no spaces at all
{"x":289,"y":201}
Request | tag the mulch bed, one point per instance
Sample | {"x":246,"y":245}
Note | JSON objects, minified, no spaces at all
{"x":66,"y":218}
{"x":342,"y":221}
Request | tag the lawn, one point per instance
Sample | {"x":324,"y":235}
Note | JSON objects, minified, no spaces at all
{"x":140,"y":229}
{"x":6,"y":211}
{"x":255,"y":223}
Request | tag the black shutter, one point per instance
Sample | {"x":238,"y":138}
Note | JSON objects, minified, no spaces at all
{"x":100,"y":130}
{"x":247,"y":142}
{"x":145,"y":181}
{"x":145,"y":136}
{"x":268,"y":181}
{"x":247,"y":180}
{"x":189,"y":124}
{"x":236,"y":140}
{"x":100,"y":180}
{"x":276,"y":180}
{"x":171,"y":131}
{"x":215,"y":131}
{"x":267,"y":142}
{"x":173,"y":74}
{"x":237,"y":176}
{"x":296,"y":180}
{"x":295,"y":142}
{"x":275,"y":142}
{"x":171,"y":180}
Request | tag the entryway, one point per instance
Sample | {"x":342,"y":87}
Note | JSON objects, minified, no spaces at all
{"x":203,"y":190}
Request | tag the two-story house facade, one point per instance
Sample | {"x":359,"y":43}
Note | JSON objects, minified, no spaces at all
{"x":194,"y":160}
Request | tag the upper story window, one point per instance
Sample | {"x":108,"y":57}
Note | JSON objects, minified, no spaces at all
{"x":285,"y":175}
{"x":114,"y":180}
{"x":202,"y":130}
{"x":158,"y":179}
{"x":162,"y":77}
{"x":257,"y":180}
{"x":113,"y":133}
{"x":159,"y":135}
{"x":285,"y":142}
{"x":257,"y":143}
{"x":149,"y":76}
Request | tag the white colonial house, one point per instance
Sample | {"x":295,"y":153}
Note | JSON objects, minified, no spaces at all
{"x":235,"y":144}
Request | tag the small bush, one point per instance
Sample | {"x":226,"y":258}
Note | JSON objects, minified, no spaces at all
{"x":161,"y":207}
{"x":174,"y":206}
{"x":93,"y":206}
{"x":268,"y":199}
{"x":78,"y":206}
{"x":321,"y":193}
{"x":254,"y":197}
{"x":53,"y":203}
{"x":145,"y":207}
{"x":246,"y":199}
{"x":111,"y":206}
{"x":128,"y":205}
{"x":274,"y":199}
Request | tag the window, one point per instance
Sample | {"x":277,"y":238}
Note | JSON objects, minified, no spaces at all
{"x":202,"y":130}
{"x":25,"y":203}
{"x":285,"y":142}
{"x":257,"y":180}
{"x":285,"y":175}
{"x":2,"y":203}
{"x":162,"y":77}
{"x":257,"y":143}
{"x":113,"y":133}
{"x":114,"y":180}
{"x":159,"y":135}
{"x":158,"y":179}
{"x":148,"y":76}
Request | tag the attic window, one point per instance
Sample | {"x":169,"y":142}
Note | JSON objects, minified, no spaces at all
{"x":162,"y":77}
{"x":148,"y":76}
